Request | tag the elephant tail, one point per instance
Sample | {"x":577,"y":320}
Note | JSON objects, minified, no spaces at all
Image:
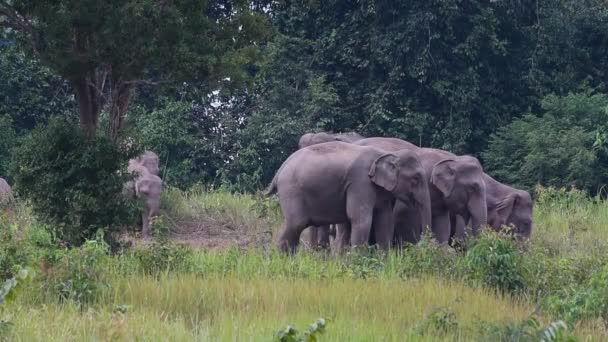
{"x":272,"y":188}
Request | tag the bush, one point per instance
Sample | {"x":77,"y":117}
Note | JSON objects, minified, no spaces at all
{"x":14,"y":252}
{"x":439,"y":321}
{"x":529,"y":329}
{"x":77,"y":274}
{"x":494,"y":260}
{"x":291,"y":334}
{"x":582,"y":300}
{"x":427,"y":257}
{"x":73,"y":183}
{"x":163,"y":257}
{"x":7,"y":141}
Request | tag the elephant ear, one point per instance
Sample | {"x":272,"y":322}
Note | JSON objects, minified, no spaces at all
{"x":504,"y":207}
{"x":444,"y":176}
{"x":383,"y":171}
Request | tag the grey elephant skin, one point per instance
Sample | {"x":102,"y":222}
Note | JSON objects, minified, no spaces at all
{"x":337,"y":182}
{"x":319,"y":237}
{"x":6,"y":193}
{"x":147,"y":185}
{"x":456,"y":186}
{"x":507,"y":206}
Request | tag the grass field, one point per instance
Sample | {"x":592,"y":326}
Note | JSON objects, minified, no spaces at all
{"x":239,"y":289}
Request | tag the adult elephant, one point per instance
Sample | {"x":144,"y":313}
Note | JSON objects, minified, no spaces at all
{"x":319,"y":236}
{"x":507,"y":206}
{"x":337,"y":182}
{"x":456,"y":186}
{"x":147,"y":186}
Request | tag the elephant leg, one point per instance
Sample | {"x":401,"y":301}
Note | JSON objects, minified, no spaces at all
{"x":342,"y":237}
{"x":290,"y":237}
{"x":323,"y":237}
{"x":441,"y":227}
{"x":383,"y":226}
{"x":313,"y":240}
{"x":145,"y":222}
{"x":361,"y":225}
{"x":457,"y":231}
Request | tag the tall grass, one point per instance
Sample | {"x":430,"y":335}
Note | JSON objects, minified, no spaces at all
{"x":164,"y":292}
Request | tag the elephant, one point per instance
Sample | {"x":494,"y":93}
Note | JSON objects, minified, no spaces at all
{"x":149,"y":160}
{"x":506,"y":206}
{"x":319,"y":237}
{"x":337,"y":182}
{"x":147,"y":186}
{"x":456,"y":186}
{"x":6,"y":193}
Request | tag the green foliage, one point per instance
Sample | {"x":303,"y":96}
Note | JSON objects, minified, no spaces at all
{"x":426,"y":257}
{"x":494,"y":260}
{"x":7,"y":142}
{"x":73,"y":183}
{"x":312,"y":334}
{"x":106,"y":48}
{"x":363,"y":263}
{"x":195,"y":142}
{"x":588,"y":299}
{"x":77,"y":274}
{"x":12,"y":286}
{"x":562,"y":147}
{"x":29,"y":93}
{"x":439,"y":321}
{"x":14,"y":252}
{"x":164,"y":256}
{"x":529,"y":329}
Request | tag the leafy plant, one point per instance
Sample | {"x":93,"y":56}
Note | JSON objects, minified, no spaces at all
{"x":363,"y":263}
{"x":312,"y":333}
{"x":495,"y":261}
{"x":164,"y":256}
{"x":78,"y":273}
{"x":440,"y":320}
{"x":74,"y":184}
{"x":528,"y":330}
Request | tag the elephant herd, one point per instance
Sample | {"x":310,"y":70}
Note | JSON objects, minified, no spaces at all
{"x":387,"y":191}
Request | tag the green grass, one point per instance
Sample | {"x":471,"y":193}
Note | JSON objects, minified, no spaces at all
{"x":246,"y":294}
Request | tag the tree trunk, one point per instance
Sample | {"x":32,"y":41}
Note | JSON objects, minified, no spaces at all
{"x":88,"y":104}
{"x":121,"y":94}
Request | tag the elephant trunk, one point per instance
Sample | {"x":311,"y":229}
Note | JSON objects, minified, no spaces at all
{"x":423,"y":204}
{"x":479,"y":212}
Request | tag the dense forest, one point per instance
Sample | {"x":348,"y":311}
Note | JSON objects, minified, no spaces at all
{"x":222,"y":90}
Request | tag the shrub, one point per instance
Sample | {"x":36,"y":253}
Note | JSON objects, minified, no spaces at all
{"x":164,"y":256}
{"x":426,"y":257}
{"x":494,"y":260}
{"x":529,"y":329}
{"x":363,"y":263}
{"x":77,"y":274}
{"x":73,"y":183}
{"x":291,"y":334}
{"x":583,"y":300}
{"x":440,"y":320}
{"x":14,"y":252}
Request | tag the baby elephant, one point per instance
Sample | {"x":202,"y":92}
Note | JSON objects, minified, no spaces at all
{"x":147,"y":185}
{"x":337,"y":182}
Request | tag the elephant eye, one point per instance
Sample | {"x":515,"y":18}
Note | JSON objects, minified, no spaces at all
{"x":473,"y":187}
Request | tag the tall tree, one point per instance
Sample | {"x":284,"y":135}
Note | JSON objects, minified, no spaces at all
{"x":105,"y":48}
